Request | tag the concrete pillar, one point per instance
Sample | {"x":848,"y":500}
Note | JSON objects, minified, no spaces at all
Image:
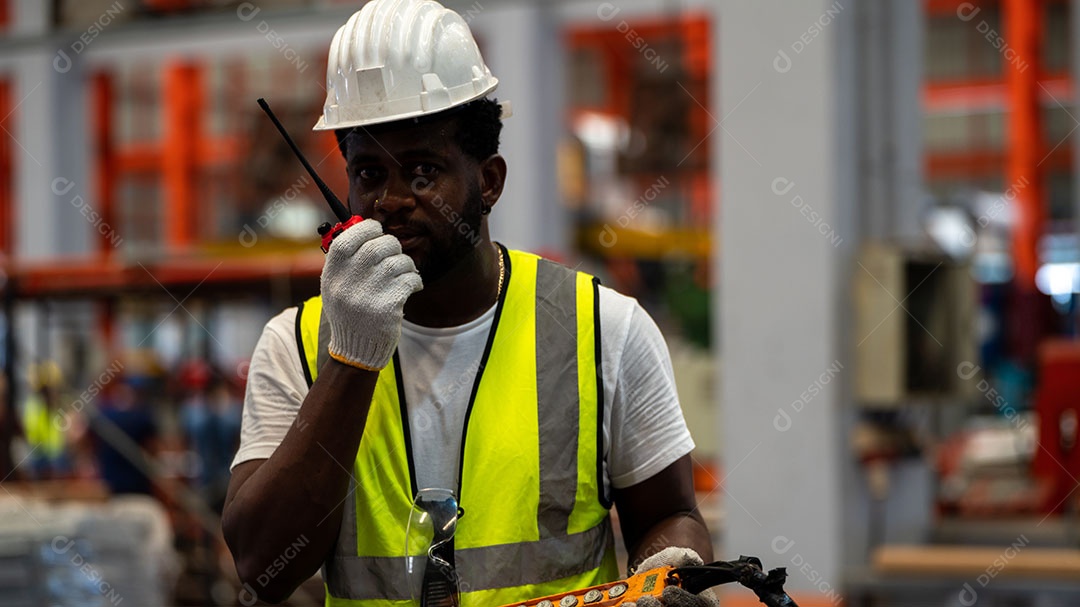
{"x":822,"y":150}
{"x":516,"y":41}
{"x":35,"y":212}
{"x":52,"y":183}
{"x":889,"y":118}
{"x":50,"y":141}
{"x":786,"y":235}
{"x":30,"y":17}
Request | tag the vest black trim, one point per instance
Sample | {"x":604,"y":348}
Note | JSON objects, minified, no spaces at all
{"x":300,"y":344}
{"x":605,"y":499}
{"x":405,"y":423}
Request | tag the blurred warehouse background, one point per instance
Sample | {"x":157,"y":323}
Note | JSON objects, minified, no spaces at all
{"x":854,"y":220}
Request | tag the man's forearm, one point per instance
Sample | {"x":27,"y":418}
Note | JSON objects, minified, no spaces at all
{"x":662,"y":511}
{"x":291,"y":505}
{"x":687,"y":530}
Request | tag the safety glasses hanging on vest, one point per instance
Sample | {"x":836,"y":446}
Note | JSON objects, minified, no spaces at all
{"x":429,"y":544}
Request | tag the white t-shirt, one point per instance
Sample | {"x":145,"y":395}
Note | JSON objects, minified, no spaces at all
{"x":644,"y":429}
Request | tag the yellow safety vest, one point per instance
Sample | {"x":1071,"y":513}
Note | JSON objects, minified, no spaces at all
{"x":535,"y":516}
{"x":43,"y":427}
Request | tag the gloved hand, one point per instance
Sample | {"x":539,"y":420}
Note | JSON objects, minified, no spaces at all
{"x":673,"y":596}
{"x":365,"y":282}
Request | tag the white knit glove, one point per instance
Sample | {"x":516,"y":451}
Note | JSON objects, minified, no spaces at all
{"x":365,"y":282}
{"x":673,"y":596}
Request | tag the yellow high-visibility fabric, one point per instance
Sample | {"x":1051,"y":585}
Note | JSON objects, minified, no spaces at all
{"x":493,"y":453}
{"x":501,"y":460}
{"x":42,"y":427}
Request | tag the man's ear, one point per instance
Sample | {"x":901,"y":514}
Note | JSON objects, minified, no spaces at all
{"x":492,"y":178}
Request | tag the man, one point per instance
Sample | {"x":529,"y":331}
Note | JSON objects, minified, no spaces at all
{"x":436,"y":358}
{"x":49,"y":456}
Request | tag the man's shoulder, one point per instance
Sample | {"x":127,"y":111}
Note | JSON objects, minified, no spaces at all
{"x":616,"y":309}
{"x":283,"y":324}
{"x":617,"y":306}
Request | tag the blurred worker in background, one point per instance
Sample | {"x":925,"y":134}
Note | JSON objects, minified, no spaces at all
{"x":123,"y":409}
{"x":210,"y":417}
{"x":436,"y":358}
{"x":42,"y":424}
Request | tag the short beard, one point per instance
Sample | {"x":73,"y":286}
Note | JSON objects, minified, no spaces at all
{"x":465,"y":237}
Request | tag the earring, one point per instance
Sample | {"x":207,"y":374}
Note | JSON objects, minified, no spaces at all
{"x":484,"y":210}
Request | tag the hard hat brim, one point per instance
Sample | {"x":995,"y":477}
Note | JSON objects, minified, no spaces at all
{"x":376,"y":113}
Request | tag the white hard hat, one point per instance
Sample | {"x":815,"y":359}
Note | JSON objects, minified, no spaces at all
{"x":398,"y":59}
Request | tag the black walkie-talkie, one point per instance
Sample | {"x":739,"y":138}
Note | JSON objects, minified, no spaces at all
{"x":345,"y":219}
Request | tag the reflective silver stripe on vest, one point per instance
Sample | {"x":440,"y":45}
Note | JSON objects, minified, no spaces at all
{"x":345,"y":546}
{"x":487,"y":568}
{"x":557,"y":395}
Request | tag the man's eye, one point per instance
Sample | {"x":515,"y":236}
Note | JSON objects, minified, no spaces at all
{"x":425,"y":170}
{"x":369,"y":173}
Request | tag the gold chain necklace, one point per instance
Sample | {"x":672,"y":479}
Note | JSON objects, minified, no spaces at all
{"x":502,"y":269}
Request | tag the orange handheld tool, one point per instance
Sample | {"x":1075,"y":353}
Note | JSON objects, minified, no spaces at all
{"x":769,"y":587}
{"x":345,"y":219}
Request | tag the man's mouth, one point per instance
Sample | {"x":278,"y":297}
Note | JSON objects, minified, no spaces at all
{"x":408,"y":237}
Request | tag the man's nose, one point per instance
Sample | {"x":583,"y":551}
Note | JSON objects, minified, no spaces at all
{"x":398,"y":195}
